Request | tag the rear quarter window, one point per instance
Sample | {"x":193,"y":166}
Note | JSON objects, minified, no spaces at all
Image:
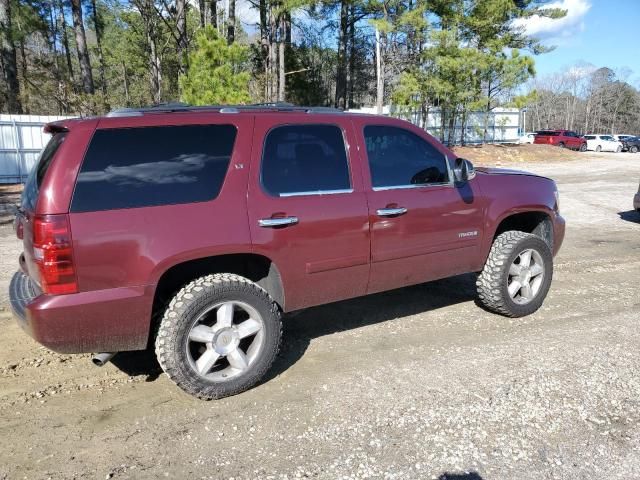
{"x":36,"y":176}
{"x":150,"y":166}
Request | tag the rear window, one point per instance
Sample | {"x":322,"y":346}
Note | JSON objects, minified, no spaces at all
{"x":148,"y":166}
{"x":35,"y":178}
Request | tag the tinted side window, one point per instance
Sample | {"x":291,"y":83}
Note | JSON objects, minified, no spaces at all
{"x":139,"y":167}
{"x":304,"y":159}
{"x":398,"y":157}
{"x":36,"y":176}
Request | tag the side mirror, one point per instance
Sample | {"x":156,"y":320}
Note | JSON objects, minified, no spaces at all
{"x":463,"y":170}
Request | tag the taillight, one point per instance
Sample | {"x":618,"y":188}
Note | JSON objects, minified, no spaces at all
{"x":52,"y":253}
{"x":18,"y":226}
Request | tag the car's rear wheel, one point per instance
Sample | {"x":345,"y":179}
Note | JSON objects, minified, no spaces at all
{"x":517,"y":274}
{"x":619,"y":149}
{"x":219,"y":336}
{"x":598,"y":148}
{"x":633,"y":149}
{"x":561,"y":144}
{"x":583,"y":147}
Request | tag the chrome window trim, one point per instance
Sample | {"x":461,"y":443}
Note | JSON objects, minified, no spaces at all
{"x":411,"y":186}
{"x":316,"y":192}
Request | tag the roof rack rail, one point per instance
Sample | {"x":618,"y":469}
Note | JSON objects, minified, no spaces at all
{"x":185,"y":107}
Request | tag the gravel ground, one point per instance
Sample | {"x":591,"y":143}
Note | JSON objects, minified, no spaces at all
{"x":410,"y":384}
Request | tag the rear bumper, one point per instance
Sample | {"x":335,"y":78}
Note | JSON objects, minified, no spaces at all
{"x":636,"y":201}
{"x":109,"y":320}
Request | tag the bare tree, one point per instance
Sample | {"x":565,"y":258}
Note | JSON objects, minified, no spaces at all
{"x":81,"y":44}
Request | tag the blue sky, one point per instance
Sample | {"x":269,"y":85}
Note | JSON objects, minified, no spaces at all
{"x":600,"y":32}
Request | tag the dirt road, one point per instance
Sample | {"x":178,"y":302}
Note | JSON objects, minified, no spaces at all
{"x":414,"y":383}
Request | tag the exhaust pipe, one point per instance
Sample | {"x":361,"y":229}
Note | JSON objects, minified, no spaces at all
{"x":100,"y":359}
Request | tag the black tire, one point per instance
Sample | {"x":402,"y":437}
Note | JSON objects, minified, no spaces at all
{"x":492,"y":283}
{"x":583,"y":147}
{"x":633,"y":149}
{"x":185,"y":310}
{"x":618,"y":150}
{"x":561,"y":145}
{"x":598,"y":149}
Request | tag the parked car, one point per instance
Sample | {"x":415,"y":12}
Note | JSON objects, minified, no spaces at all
{"x":561,"y":138}
{"x":527,"y":138}
{"x":602,"y":143}
{"x":195,"y":228}
{"x":636,"y":200}
{"x":621,"y":137}
{"x":631,"y":144}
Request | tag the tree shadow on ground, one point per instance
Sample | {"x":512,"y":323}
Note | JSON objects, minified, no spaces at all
{"x":632,"y":216}
{"x":300,"y":328}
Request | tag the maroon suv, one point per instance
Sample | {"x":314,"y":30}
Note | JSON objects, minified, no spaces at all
{"x":561,"y":138}
{"x":195,"y":228}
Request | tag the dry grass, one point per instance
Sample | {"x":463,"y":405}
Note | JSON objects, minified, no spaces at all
{"x":513,"y":154}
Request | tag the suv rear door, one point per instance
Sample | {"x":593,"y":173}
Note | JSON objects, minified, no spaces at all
{"x":307,"y":209}
{"x":423,"y":227}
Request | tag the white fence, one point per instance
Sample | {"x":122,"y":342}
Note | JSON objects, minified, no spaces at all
{"x":503,"y":124}
{"x":21,"y":140}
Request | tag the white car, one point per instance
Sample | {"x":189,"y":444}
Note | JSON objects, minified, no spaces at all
{"x":602,"y":143}
{"x":527,"y":138}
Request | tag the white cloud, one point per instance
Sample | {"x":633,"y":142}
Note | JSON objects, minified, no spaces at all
{"x":544,"y":28}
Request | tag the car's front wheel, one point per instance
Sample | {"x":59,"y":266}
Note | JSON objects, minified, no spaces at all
{"x":219,"y":336}
{"x":598,"y":149}
{"x":619,"y":149}
{"x":583,"y":147}
{"x":633,"y":149}
{"x":517,"y":274}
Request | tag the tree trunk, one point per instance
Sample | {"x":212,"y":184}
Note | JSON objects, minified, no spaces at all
{"x":213,"y":7}
{"x":379,"y":76}
{"x":202,"y":9}
{"x":97,"y":21}
{"x":148,"y":14}
{"x":273,"y":53}
{"x":352,"y":58}
{"x":341,"y":74}
{"x":65,"y":43}
{"x":181,"y":27}
{"x":81,"y":43}
{"x":125,"y":81}
{"x":231,"y":25}
{"x":264,"y":46}
{"x":281,"y":72}
{"x":9,"y":60}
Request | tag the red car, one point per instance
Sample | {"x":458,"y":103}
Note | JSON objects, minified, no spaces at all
{"x":195,"y":228}
{"x":562,"y":139}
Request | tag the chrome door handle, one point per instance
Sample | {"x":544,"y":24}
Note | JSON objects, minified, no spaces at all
{"x":391,"y":212}
{"x":277,"y":222}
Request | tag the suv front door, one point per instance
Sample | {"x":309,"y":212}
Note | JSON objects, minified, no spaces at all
{"x":307,"y":208}
{"x":423,"y":227}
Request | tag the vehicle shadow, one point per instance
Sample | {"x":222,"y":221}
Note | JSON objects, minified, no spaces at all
{"x":300,"y":328}
{"x":632,"y":216}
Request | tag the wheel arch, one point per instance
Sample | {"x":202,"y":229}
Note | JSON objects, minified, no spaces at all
{"x":257,"y":268}
{"x":537,"y":221}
